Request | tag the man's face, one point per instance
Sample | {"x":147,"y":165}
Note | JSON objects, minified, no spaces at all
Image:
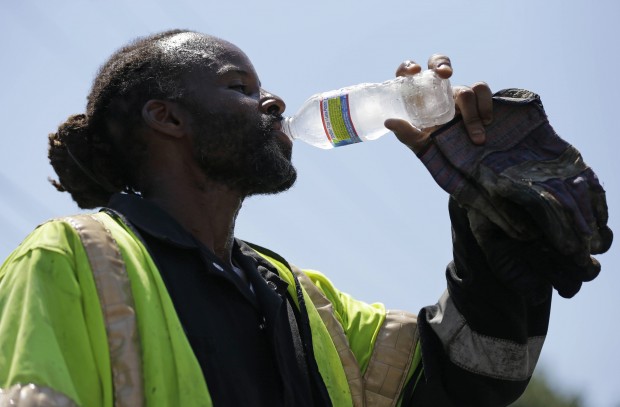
{"x":236,"y":140}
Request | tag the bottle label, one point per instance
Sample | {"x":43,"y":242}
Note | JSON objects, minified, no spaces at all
{"x":337,"y":122}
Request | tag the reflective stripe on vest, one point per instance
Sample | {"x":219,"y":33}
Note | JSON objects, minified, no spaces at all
{"x":117,"y":305}
{"x":394,"y":350}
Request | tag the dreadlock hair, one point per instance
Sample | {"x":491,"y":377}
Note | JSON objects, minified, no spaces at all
{"x":99,"y":153}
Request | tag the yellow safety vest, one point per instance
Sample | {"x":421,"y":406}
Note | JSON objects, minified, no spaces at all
{"x":85,"y":318}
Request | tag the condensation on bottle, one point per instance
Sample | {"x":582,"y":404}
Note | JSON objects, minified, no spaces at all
{"x":357,"y":113}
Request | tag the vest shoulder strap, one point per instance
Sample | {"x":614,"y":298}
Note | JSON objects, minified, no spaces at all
{"x":392,"y":356}
{"x":117,"y":305}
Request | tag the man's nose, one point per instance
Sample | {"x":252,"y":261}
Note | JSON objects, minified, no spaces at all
{"x":271,"y":104}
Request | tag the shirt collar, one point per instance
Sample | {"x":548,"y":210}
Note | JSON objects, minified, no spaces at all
{"x":150,"y":218}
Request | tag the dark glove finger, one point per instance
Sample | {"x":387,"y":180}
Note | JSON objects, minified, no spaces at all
{"x":582,"y":212}
{"x":602,"y":236}
{"x":565,"y":275}
{"x":567,"y":288}
{"x":602,"y":240}
{"x":591,"y":271}
{"x":565,"y":220}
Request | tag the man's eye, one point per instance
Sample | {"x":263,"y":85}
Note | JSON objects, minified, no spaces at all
{"x":239,"y":88}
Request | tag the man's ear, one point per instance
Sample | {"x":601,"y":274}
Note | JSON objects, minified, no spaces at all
{"x":165,"y":117}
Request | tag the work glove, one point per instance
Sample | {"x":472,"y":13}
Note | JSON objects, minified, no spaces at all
{"x":529,"y":266}
{"x":528,"y":183}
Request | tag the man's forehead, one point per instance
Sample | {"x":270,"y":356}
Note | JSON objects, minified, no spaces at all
{"x":216,"y":54}
{"x":199,"y":45}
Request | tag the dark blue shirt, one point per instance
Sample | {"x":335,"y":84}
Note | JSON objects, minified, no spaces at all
{"x":246,"y":340}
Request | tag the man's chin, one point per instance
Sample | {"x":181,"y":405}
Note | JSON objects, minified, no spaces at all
{"x":272,"y":186}
{"x":271,"y":171}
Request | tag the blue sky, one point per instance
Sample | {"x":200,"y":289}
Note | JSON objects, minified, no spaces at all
{"x":367,"y":215}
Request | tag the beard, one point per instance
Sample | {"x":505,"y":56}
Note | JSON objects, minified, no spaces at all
{"x":242,"y":153}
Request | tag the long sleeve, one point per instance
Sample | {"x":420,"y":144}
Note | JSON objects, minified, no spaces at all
{"x":482,"y":340}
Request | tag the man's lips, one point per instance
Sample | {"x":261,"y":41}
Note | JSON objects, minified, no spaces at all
{"x":283,"y":137}
{"x":277,"y":129}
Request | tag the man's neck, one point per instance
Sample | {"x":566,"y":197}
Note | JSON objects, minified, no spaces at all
{"x":208,"y":211}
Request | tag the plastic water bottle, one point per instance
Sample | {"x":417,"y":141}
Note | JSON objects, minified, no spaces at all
{"x":356,"y":113}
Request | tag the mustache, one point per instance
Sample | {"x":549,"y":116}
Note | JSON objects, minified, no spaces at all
{"x":268,"y":122}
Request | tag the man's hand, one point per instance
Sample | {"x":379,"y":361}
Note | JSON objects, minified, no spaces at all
{"x":473,"y":103}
